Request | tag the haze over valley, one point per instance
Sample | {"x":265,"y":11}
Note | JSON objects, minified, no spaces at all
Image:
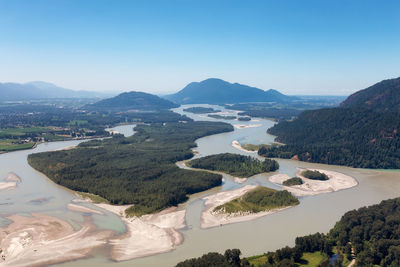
{"x":199,"y":133}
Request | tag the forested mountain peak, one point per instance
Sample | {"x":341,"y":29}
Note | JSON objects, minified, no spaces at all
{"x":363,"y":132}
{"x":217,"y":91}
{"x":382,"y":96}
{"x":133,"y":101}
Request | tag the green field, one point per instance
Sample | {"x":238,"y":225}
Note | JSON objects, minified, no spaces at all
{"x":313,"y":259}
{"x":308,"y":259}
{"x":17,"y":132}
{"x":13,"y":147}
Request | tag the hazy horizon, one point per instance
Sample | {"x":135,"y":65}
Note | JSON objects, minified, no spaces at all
{"x":297,"y":48}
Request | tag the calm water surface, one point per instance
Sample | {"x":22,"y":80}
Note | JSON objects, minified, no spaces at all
{"x":314,"y":214}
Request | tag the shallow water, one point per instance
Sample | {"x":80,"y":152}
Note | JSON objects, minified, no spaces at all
{"x":314,"y":214}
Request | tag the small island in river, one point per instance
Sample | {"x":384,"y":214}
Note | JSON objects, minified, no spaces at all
{"x":201,"y":110}
{"x":323,"y":181}
{"x":234,"y":164}
{"x":243,"y":204}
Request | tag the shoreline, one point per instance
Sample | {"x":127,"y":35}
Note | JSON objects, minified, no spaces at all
{"x":43,"y":240}
{"x":10,"y":182}
{"x":210,"y":219}
{"x":238,"y":146}
{"x":244,"y":126}
{"x":337,"y":181}
{"x":146,"y":235}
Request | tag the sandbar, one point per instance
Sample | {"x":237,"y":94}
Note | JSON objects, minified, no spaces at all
{"x":42,"y":240}
{"x":148,"y":234}
{"x":337,"y":181}
{"x":11,"y":182}
{"x":83,"y":209}
{"x":243,"y":126}
{"x":238,"y":146}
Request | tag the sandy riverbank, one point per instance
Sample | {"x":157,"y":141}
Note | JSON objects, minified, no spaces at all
{"x":42,"y":240}
{"x":209,"y":218}
{"x":146,"y":235}
{"x":243,"y":126}
{"x":238,"y":146}
{"x":337,"y":181}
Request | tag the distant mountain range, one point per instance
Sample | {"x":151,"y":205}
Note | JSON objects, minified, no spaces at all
{"x":363,"y":132}
{"x":132,"y":101}
{"x":217,"y":91}
{"x":42,"y":90}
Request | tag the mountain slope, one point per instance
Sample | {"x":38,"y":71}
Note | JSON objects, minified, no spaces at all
{"x":132,"y":101}
{"x":383,"y":96}
{"x":217,"y":91}
{"x":40,"y":90}
{"x":355,"y":134}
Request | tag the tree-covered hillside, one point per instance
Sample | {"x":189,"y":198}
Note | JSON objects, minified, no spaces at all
{"x":132,"y":101}
{"x":137,"y":170}
{"x":353,"y":135}
{"x":217,"y":91}
{"x":383,"y":96}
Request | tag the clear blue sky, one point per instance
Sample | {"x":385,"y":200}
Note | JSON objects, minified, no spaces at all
{"x":298,"y":47}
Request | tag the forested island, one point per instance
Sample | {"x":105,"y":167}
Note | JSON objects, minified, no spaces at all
{"x":245,"y":118}
{"x":363,"y":132}
{"x":200,"y":110}
{"x":315,"y":175}
{"x":293,"y":181}
{"x":222,"y":117}
{"x":137,"y":170}
{"x":234,"y":164}
{"x":257,"y":200}
{"x":370,"y":232}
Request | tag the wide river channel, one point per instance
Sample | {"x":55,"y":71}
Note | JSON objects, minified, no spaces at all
{"x":318,"y":213}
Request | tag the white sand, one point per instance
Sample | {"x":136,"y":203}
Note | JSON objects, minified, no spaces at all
{"x":209,"y":218}
{"x":243,"y":126}
{"x":240,"y":180}
{"x":237,"y":145}
{"x":65,"y":148}
{"x":83,"y":209}
{"x":12,"y":177}
{"x":146,"y":235}
{"x":42,"y":240}
{"x":7,"y":185}
{"x":11,"y":182}
{"x":337,"y":181}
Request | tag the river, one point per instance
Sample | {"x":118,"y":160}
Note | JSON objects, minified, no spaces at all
{"x":318,"y":213}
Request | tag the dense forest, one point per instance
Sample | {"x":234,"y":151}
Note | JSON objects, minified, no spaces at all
{"x":137,"y":170}
{"x":315,"y":175}
{"x":372,"y":233}
{"x":259,"y":199}
{"x":201,"y":110}
{"x":245,"y":118}
{"x":383,"y":96}
{"x":353,"y":137}
{"x":234,"y":164}
{"x":293,"y":181}
{"x":132,"y":101}
{"x":363,"y":132}
{"x":221,"y":117}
